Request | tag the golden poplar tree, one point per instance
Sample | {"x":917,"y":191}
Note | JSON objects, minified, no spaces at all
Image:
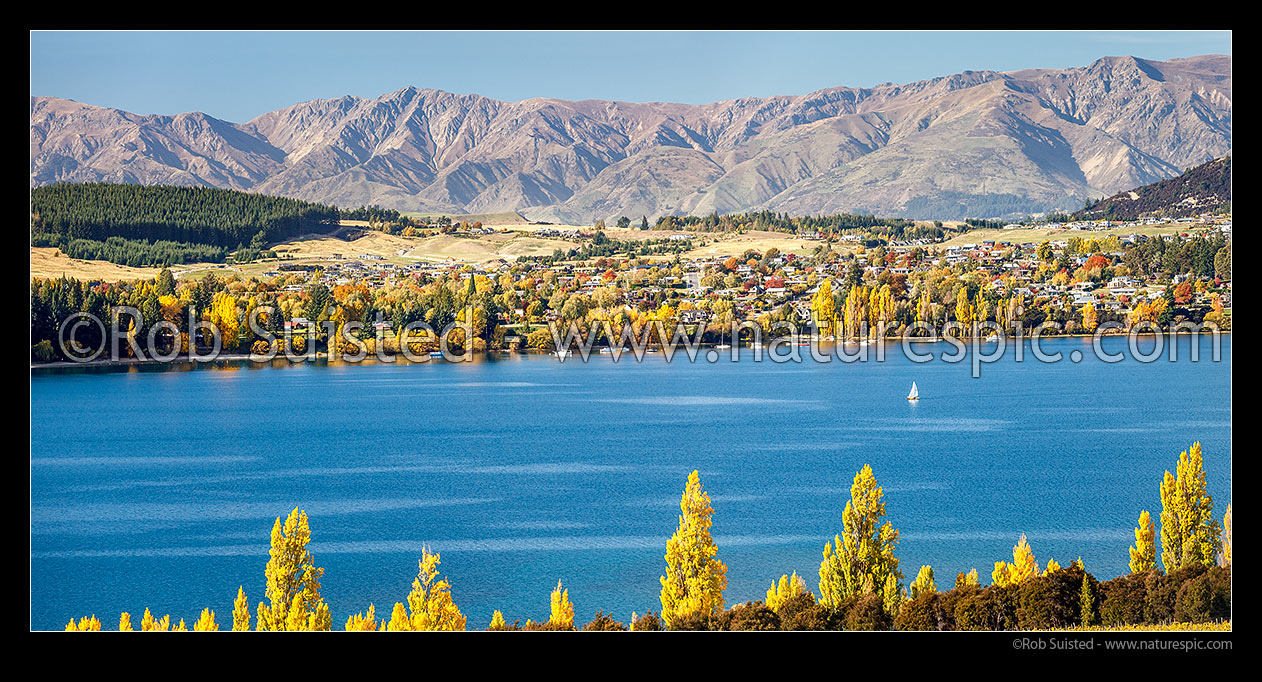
{"x":429,"y":602}
{"x":1189,"y":533}
{"x":823,"y":308}
{"x":399,"y":621}
{"x":124,"y":622}
{"x":562,"y":614}
{"x":88,"y":624}
{"x":966,"y":579}
{"x":240,"y":611}
{"x":1144,"y":551}
{"x":1225,"y":555}
{"x":363,"y":622}
{"x":788,"y":588}
{"x":1089,"y":318}
{"x":855,"y":313}
{"x":1022,"y":568}
{"x":150,"y":624}
{"x":293,"y":581}
{"x":963,"y":309}
{"x":863,"y":558}
{"x":695,"y":578}
{"x":206,"y":622}
{"x":223,"y":314}
{"x":924,"y":305}
{"x":923,"y":584}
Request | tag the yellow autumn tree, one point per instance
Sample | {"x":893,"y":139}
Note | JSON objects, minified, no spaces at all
{"x":823,"y":309}
{"x":206,"y":622}
{"x":1225,"y":556}
{"x":224,"y":315}
{"x":862,"y":560}
{"x":924,"y":305}
{"x":967,"y":579}
{"x":1089,"y":317}
{"x":124,"y":622}
{"x":855,"y":313}
{"x":399,"y":620}
{"x":1022,"y":568}
{"x":923,"y":584}
{"x":562,"y":614}
{"x":293,"y":581}
{"x":1144,"y":551}
{"x":240,"y":611}
{"x":963,"y":309}
{"x":429,"y":602}
{"x":89,"y":624}
{"x":788,"y":588}
{"x":150,"y":624}
{"x":1189,"y":533}
{"x":363,"y":622}
{"x":695,"y":578}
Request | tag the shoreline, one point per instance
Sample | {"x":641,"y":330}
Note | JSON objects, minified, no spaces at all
{"x":250,"y":358}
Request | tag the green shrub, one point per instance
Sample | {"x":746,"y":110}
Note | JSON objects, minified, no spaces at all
{"x":649,"y":622}
{"x":1053,"y":600}
{"x":603,"y":622}
{"x":694,"y":621}
{"x":1163,"y":592}
{"x":989,"y":608}
{"x":547,"y":626}
{"x":1122,"y":600}
{"x":1220,"y":583}
{"x":43,"y":351}
{"x":803,"y":613}
{"x":868,"y":613}
{"x":1194,"y":600}
{"x":751,"y":616}
{"x":925,"y":612}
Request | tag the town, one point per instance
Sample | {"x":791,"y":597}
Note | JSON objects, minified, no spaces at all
{"x":845,"y":283}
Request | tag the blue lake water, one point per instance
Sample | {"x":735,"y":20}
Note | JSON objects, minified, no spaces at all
{"x":159,"y":488}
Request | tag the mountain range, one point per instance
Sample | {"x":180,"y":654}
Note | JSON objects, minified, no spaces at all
{"x":973,"y":144}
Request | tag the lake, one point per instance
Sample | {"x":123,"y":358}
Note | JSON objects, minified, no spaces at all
{"x":158,"y":487}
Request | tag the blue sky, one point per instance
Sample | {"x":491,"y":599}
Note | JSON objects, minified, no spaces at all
{"x":239,"y":75}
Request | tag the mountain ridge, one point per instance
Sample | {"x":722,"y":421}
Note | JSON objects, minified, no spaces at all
{"x":954,"y":146}
{"x":1201,"y":189}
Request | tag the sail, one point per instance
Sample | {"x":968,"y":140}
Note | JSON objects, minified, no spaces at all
{"x":914,"y":393}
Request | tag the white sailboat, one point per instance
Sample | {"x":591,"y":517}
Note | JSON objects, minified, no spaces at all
{"x":915,"y":394}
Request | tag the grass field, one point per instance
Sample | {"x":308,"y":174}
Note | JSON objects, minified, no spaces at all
{"x":1041,"y":234}
{"x":508,"y":243}
{"x":511,"y":241}
{"x":1224,"y":626}
{"x":51,"y":263}
{"x":737,"y":244}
